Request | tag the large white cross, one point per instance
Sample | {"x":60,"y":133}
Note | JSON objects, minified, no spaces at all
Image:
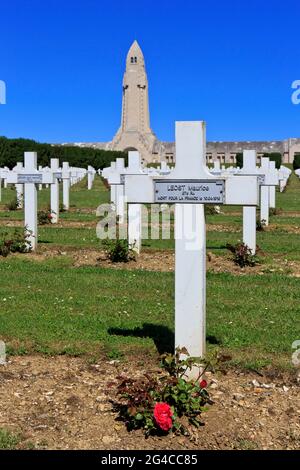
{"x":190,"y":186}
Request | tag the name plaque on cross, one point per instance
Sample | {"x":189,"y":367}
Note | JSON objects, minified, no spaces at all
{"x":30,"y":178}
{"x":189,"y":191}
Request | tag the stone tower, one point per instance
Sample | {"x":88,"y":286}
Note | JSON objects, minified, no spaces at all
{"x":135,"y":132}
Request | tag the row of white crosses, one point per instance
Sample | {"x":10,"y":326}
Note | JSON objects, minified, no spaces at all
{"x":29,"y":178}
{"x":268,"y":178}
{"x":3,"y":173}
{"x":115,"y":177}
{"x":189,"y":186}
{"x":68,"y":175}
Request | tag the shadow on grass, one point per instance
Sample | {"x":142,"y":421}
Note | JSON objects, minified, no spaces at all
{"x":162,"y":336}
{"x":211,"y":339}
{"x":211,"y":247}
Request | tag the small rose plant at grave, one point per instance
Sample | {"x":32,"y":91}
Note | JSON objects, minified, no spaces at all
{"x":13,"y":205}
{"x":45,"y":217}
{"x":17,"y":242}
{"x":119,"y":251}
{"x":242,"y":255}
{"x":162,"y":403}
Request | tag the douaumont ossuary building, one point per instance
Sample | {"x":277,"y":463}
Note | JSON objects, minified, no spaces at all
{"x":135,"y":132}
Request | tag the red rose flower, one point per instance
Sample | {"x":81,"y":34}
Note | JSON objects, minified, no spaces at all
{"x":203,"y":384}
{"x":163,"y":416}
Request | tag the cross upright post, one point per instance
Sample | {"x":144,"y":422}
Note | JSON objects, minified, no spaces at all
{"x":54,"y":192}
{"x":66,"y":175}
{"x":134,"y":210}
{"x":19,"y":187}
{"x":120,"y":200}
{"x":272,"y":189}
{"x":264,"y":194}
{"x":249,"y":212}
{"x":90,"y":176}
{"x":190,"y":244}
{"x":40,"y":186}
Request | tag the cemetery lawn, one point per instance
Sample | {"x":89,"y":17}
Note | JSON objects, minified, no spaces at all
{"x":63,"y":300}
{"x":52,"y":307}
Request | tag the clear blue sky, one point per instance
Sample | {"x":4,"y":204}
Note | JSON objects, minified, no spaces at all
{"x":228,"y":62}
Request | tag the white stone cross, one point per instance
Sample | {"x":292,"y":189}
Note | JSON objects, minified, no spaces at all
{"x":66,"y":178}
{"x":135,"y":210}
{"x":249,"y":212}
{"x":19,"y":187}
{"x":54,"y":190}
{"x":271,"y":179}
{"x":90,"y":176}
{"x":29,"y":176}
{"x":190,"y":186}
{"x":105,"y":173}
{"x":113,"y":176}
{"x":272,"y":189}
{"x":40,"y":186}
{"x":283,"y":175}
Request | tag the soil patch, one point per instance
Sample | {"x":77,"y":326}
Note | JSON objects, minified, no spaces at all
{"x":64,"y":403}
{"x":159,"y":260}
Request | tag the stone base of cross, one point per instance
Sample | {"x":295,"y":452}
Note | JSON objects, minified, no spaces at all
{"x":190,"y":186}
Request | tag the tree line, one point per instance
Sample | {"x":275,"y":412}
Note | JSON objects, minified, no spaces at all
{"x":12,"y":151}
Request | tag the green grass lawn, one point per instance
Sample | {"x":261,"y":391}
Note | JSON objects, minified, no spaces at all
{"x":52,"y":307}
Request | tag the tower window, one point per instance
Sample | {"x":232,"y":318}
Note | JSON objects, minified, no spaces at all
{"x":133,"y":60}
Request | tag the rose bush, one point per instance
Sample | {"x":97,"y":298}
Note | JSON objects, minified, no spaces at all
{"x":163,"y":403}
